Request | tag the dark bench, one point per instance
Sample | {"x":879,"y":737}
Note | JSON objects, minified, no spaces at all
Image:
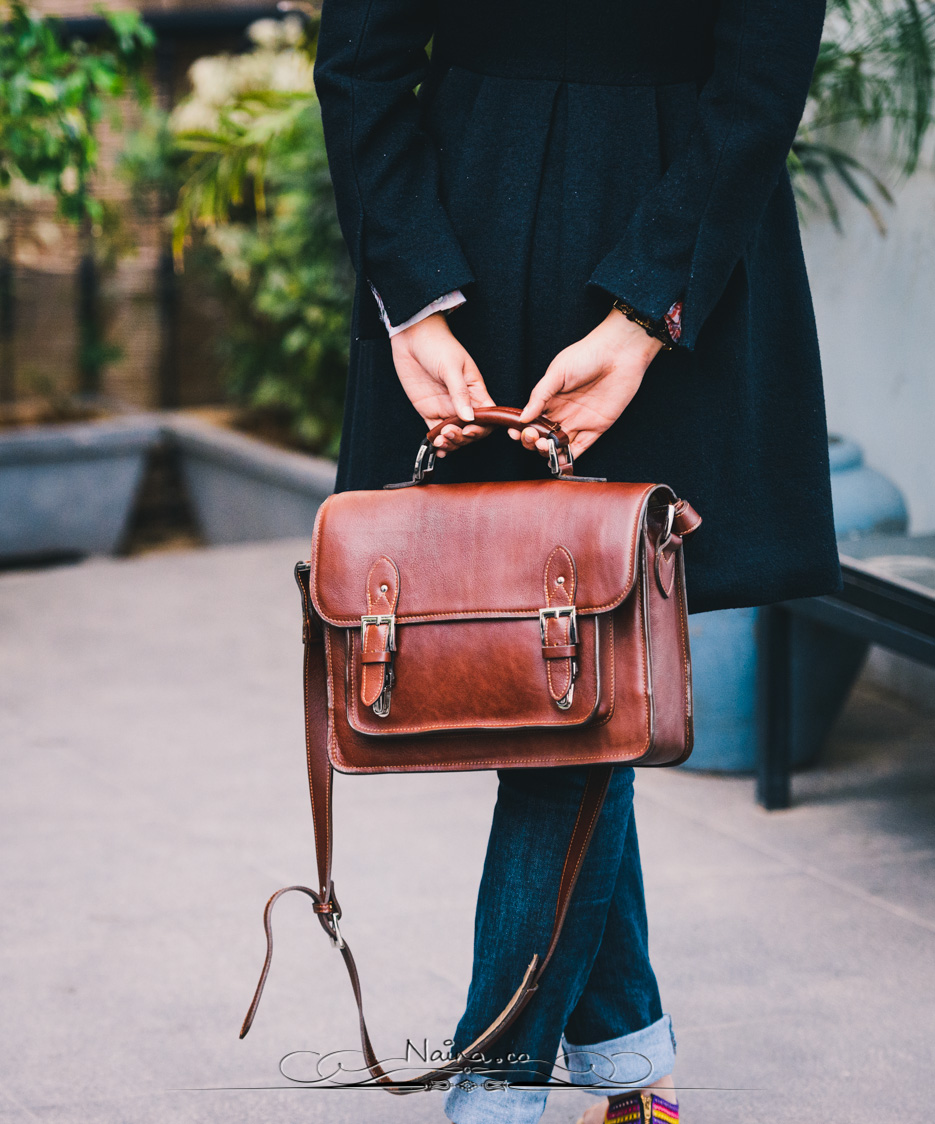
{"x":888,"y":599}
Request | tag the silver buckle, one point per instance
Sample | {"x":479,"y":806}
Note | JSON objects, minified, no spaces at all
{"x":564,"y":703}
{"x":379,"y":619}
{"x":554,"y":614}
{"x":381,"y":707}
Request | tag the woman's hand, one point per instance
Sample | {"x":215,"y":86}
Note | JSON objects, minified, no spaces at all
{"x":441,"y":380}
{"x":589,"y":384}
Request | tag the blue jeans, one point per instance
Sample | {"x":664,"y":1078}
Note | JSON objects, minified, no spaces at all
{"x":598,"y":999}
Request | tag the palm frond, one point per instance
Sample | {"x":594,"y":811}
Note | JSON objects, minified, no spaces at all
{"x":876,"y":73}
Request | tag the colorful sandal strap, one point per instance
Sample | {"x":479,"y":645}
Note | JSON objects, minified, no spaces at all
{"x":641,"y":1107}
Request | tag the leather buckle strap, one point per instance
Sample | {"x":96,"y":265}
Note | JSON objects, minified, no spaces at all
{"x":378,"y":619}
{"x":378,"y":637}
{"x":385,"y":625}
{"x":680,"y":520}
{"x":558,"y":627}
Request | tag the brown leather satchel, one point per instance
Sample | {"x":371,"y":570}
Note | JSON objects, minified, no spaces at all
{"x":488,"y":626}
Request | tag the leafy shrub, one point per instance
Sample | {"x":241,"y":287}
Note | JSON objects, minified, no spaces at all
{"x":244,"y":156}
{"x":53,"y":93}
{"x":875,"y":73}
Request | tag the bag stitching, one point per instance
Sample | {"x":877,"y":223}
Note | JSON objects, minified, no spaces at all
{"x":612,"y":604}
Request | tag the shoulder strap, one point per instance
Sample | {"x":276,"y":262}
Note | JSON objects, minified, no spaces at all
{"x":325,"y":904}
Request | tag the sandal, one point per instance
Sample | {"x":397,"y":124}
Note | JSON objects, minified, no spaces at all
{"x":642,"y":1106}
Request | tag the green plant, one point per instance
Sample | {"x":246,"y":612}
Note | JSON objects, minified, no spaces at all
{"x":247,"y":157}
{"x":291,"y":277}
{"x":54,"y":91}
{"x":53,"y":94}
{"x":875,"y":73}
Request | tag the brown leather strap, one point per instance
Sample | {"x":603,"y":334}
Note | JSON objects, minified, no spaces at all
{"x":326,"y":906}
{"x":664,"y":563}
{"x":558,"y":644}
{"x":686,"y":518}
{"x":376,"y":639}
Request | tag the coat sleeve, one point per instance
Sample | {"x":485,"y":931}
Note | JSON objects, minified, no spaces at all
{"x":370,"y":57}
{"x":691,"y":229}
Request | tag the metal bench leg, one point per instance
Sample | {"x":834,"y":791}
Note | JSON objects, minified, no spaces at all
{"x":774,"y":748}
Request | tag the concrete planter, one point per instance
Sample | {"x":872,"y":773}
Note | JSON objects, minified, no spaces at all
{"x":68,"y":490}
{"x":244,"y":490}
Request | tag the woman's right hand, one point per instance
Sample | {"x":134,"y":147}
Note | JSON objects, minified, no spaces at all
{"x":441,"y":380}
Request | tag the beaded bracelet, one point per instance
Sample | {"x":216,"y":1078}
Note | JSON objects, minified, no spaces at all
{"x":655,"y":328}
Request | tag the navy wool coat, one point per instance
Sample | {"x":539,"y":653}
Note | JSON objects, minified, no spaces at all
{"x":546,"y":156}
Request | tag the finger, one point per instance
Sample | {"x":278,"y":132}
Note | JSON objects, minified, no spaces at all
{"x":472,"y":432}
{"x":455,"y":435}
{"x":514,"y":433}
{"x":529,"y":436}
{"x":458,"y":392}
{"x":477,"y":388}
{"x":551,"y":383}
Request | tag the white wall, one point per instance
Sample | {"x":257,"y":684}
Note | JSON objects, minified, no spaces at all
{"x":875,"y":303}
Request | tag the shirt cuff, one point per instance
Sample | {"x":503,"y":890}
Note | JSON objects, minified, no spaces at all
{"x":673,"y":319}
{"x":440,"y":304}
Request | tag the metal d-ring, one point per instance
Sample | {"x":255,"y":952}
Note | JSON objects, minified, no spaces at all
{"x":337,"y":939}
{"x":420,"y":471}
{"x":666,"y":535}
{"x":555,"y":466}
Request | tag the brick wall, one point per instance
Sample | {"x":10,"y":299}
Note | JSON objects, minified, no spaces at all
{"x":45,"y":344}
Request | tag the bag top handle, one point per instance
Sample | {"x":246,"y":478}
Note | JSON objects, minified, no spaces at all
{"x":561,"y":461}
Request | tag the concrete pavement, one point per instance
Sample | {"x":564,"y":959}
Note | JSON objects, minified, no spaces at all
{"x":153,"y":795}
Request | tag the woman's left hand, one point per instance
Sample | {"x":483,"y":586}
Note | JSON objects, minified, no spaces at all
{"x":589,"y":384}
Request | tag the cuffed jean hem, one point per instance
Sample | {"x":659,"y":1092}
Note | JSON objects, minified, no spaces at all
{"x":604,"y":1068}
{"x":630,"y":1061}
{"x":469,"y":1102}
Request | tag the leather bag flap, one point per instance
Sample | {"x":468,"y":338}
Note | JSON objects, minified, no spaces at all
{"x":469,"y":551}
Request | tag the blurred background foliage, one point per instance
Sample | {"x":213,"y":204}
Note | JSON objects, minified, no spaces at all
{"x":54,"y":91}
{"x":243,"y":159}
{"x":875,"y":75}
